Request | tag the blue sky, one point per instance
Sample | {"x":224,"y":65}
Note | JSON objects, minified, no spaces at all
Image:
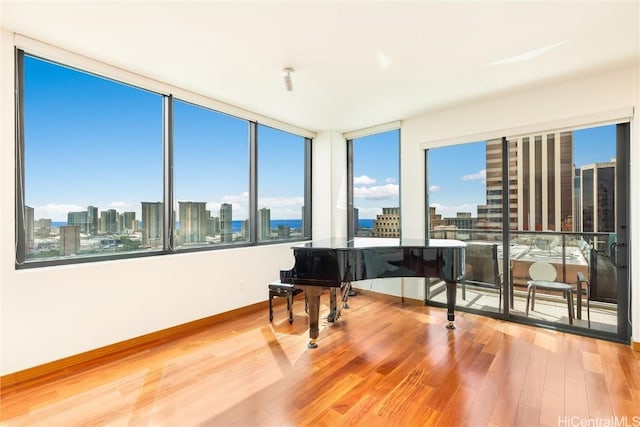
{"x":91,"y":141}
{"x":375,"y":173}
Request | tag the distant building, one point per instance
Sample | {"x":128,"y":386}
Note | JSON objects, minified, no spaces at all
{"x":435,"y":219}
{"x":29,"y":228}
{"x":284,"y":232}
{"x":245,"y":229}
{"x":92,"y":220}
{"x":213,"y":226}
{"x":356,"y":221}
{"x":80,"y":219}
{"x":462,"y":220}
{"x":108,"y":222}
{"x":152,"y":224}
{"x":264,"y":224}
{"x":226,"y":229}
{"x":387,"y":224}
{"x":42,"y":225}
{"x":69,"y":240}
{"x":129,"y":221}
{"x":193,"y":222}
{"x":597,"y":197}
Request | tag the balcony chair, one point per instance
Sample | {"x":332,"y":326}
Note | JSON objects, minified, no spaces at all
{"x":543,"y":276}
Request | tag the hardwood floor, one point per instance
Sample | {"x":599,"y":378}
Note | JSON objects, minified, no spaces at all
{"x":382,"y":363}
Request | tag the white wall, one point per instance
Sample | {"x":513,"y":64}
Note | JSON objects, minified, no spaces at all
{"x":578,"y":102}
{"x":55,"y":312}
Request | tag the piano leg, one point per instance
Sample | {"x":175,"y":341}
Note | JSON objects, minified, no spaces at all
{"x":451,"y":303}
{"x":313,"y":300}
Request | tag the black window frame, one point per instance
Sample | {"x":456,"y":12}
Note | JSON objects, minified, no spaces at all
{"x":168,"y":248}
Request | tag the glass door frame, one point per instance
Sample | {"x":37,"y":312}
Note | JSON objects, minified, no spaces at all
{"x":620,"y":253}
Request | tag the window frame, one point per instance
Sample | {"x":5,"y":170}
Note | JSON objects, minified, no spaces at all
{"x":168,"y":247}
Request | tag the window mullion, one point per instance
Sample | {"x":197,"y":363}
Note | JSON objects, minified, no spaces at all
{"x":167,"y":136}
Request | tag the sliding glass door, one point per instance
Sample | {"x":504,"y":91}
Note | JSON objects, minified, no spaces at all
{"x":553,"y":203}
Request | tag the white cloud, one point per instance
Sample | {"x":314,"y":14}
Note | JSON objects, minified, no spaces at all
{"x":390,"y":180}
{"x":280,"y":207}
{"x":379,"y":192}
{"x":434,"y":189}
{"x":481,"y":175}
{"x":363,"y":180}
{"x":55,"y":212}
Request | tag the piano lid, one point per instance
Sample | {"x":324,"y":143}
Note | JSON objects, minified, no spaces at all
{"x":367,"y":242}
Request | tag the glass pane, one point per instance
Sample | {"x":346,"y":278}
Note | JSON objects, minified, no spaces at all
{"x":565,"y":215}
{"x":281,"y":178}
{"x":465,"y":203}
{"x":211,"y":177}
{"x":376,"y":174}
{"x":93,"y":164}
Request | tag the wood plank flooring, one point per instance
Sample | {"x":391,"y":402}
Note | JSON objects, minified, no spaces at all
{"x":383,"y":363}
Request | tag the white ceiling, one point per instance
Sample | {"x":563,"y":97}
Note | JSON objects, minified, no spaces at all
{"x":357,"y":64}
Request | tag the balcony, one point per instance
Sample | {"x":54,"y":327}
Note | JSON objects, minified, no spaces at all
{"x":569,"y":253}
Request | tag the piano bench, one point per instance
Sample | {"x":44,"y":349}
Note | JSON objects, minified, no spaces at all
{"x":286,"y":290}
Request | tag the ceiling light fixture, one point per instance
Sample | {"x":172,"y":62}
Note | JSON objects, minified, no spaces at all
{"x":287,"y":78}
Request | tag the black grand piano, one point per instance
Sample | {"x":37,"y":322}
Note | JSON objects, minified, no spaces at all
{"x":335,"y":263}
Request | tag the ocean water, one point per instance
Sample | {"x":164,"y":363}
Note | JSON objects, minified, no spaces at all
{"x":275,"y":223}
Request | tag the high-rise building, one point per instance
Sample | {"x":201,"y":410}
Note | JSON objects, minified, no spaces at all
{"x":545,"y":181}
{"x":356,"y":221}
{"x":152,"y":224}
{"x":129,"y":221}
{"x":387,"y":224}
{"x":245,"y":229}
{"x":213,"y":226}
{"x":226,"y":230}
{"x":69,"y":240}
{"x":29,"y":226}
{"x":80,"y":219}
{"x":92,"y":220}
{"x":597,"y":197}
{"x":193,"y":222}
{"x":540,"y":183}
{"x":264,"y":224}
{"x":108,"y":222}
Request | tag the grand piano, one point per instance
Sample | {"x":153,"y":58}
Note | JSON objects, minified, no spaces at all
{"x":335,"y":263}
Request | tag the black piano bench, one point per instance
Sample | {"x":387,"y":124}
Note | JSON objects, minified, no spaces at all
{"x":287,"y":290}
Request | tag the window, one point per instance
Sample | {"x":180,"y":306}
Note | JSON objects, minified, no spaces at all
{"x":375,"y":192}
{"x":211,"y":179}
{"x":92,"y":161}
{"x":103,"y":166}
{"x":281,"y":185}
